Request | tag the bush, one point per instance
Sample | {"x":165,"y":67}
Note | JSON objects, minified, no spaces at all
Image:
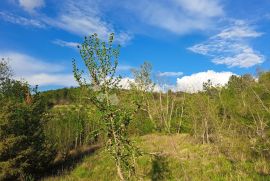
{"x":23,"y":147}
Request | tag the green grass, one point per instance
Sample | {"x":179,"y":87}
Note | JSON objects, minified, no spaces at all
{"x":182,"y":159}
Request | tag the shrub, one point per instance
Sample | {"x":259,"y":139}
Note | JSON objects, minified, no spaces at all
{"x":23,"y":147}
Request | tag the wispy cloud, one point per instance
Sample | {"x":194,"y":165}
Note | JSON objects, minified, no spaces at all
{"x":170,"y":74}
{"x":177,"y":16}
{"x":230,"y":47}
{"x":11,"y":18}
{"x":79,"y":17}
{"x":245,"y":57}
{"x":239,"y":30}
{"x":205,"y":8}
{"x":84,"y":18}
{"x":63,"y":43}
{"x":31,"y":5}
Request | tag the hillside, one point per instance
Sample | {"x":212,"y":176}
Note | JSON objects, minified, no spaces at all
{"x":173,"y":157}
{"x":100,"y":131}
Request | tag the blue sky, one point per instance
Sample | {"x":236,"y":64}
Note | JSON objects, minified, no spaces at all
{"x":187,"y":41}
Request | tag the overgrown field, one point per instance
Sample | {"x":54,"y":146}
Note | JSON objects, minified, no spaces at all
{"x":139,"y":133}
{"x":173,"y":157}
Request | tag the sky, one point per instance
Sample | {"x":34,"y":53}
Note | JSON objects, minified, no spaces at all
{"x":186,"y":41}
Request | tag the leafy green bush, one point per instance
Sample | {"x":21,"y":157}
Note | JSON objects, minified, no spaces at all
{"x":24,"y":150}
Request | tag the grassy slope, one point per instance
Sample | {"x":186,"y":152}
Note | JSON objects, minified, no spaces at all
{"x":182,"y":159}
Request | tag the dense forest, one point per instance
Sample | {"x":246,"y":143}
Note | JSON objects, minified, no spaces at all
{"x":100,"y":131}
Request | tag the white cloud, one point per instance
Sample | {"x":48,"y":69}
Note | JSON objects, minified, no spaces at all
{"x":83,"y":18}
{"x":125,"y":82}
{"x":230,"y":47}
{"x":240,"y":30}
{"x":36,"y":71}
{"x":164,"y":87}
{"x":194,"y":82}
{"x":177,"y":16}
{"x":23,"y":64}
{"x":79,"y":17}
{"x":39,"y":72}
{"x":124,"y":68}
{"x":45,"y":79}
{"x":11,"y":18}
{"x":246,"y":58}
{"x":207,"y":8}
{"x":81,"y":24}
{"x":30,"y":5}
{"x":170,"y":74}
{"x":63,"y":43}
{"x":123,"y":37}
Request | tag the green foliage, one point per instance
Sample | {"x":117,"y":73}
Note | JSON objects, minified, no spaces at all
{"x":184,"y":160}
{"x":101,"y":60}
{"x":202,"y":113}
{"x":5,"y":71}
{"x":160,"y":168}
{"x":23,"y":148}
{"x":142,"y":77}
{"x":71,"y":126}
{"x":229,"y":125}
{"x":62,"y":96}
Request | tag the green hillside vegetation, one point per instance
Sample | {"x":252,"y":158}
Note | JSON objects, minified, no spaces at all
{"x":172,"y":157}
{"x":100,"y":131}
